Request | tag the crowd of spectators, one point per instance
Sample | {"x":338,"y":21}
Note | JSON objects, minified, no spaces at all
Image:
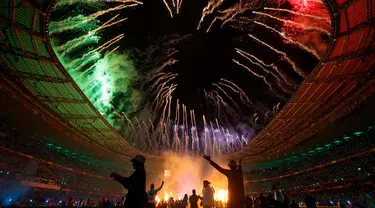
{"x":356,"y":144}
{"x":348,"y":172}
{"x":37,"y":148}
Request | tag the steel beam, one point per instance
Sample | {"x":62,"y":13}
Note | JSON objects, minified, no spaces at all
{"x":96,"y":131}
{"x":5,"y":21}
{"x":26,"y":54}
{"x":357,"y":27}
{"x":356,"y":54}
{"x":307,"y":102}
{"x":38,"y":77}
{"x":35,"y":7}
{"x":60,"y":100}
{"x":340,"y":78}
{"x":80,"y":117}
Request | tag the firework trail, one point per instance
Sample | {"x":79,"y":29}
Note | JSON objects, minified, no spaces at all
{"x":179,"y":4}
{"x":218,"y":101}
{"x":226,"y":16}
{"x":169,"y":76}
{"x":289,"y":22}
{"x":226,"y":94}
{"x":281,"y":74}
{"x":254,"y":57}
{"x":80,"y":21}
{"x":175,"y":5}
{"x":290,"y":40}
{"x":161,"y":87}
{"x":62,"y":3}
{"x":259,"y":65}
{"x":239,"y":91}
{"x":169,"y":9}
{"x":300,"y":14}
{"x":165,"y":98}
{"x":94,"y":65}
{"x":177,"y":112}
{"x":129,"y":121}
{"x":209,"y":9}
{"x":296,"y":69}
{"x":161,"y":93}
{"x":276,"y":108}
{"x":113,"y":50}
{"x":209,"y":96}
{"x":94,"y":54}
{"x":278,"y":81}
{"x":230,"y":14}
{"x":230,"y":87}
{"x":163,"y":66}
{"x":257,"y":75}
{"x":79,"y":42}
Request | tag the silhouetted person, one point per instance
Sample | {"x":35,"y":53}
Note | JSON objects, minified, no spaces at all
{"x":262,"y":201}
{"x":151,"y":194}
{"x":271,"y":202}
{"x":286,"y":200}
{"x":236,"y":193}
{"x":136,"y":183}
{"x":185,"y":201}
{"x":310,"y":201}
{"x":208,"y":200}
{"x":194,"y":200}
{"x":294,"y":204}
{"x":248,"y":201}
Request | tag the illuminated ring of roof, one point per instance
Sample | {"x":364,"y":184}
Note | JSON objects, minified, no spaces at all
{"x":343,"y":77}
{"x":42,"y":80}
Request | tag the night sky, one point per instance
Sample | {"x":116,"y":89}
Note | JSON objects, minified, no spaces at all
{"x":205,"y":58}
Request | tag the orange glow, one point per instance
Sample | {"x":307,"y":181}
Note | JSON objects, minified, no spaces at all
{"x":221,"y":195}
{"x":157,"y":199}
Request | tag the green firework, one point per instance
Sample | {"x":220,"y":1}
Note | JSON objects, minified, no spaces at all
{"x":106,"y":77}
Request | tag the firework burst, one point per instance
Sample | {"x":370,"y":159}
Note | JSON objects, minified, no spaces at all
{"x":138,"y":89}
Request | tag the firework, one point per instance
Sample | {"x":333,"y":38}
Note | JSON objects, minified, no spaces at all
{"x":300,"y":14}
{"x":176,"y":6}
{"x":296,"y":69}
{"x":257,"y":75}
{"x":290,"y":40}
{"x":212,"y":5}
{"x":119,"y":88}
{"x":289,"y":22}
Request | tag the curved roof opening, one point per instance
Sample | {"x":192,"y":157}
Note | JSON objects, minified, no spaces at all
{"x":188,"y":77}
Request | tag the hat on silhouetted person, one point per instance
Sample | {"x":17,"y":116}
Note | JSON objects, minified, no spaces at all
{"x":139,"y":159}
{"x":232,"y":163}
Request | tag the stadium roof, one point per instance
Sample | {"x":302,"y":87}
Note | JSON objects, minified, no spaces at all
{"x":343,"y":78}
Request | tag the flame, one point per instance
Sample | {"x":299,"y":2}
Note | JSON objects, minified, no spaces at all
{"x":166,"y":196}
{"x":222,"y":195}
{"x":157,"y":199}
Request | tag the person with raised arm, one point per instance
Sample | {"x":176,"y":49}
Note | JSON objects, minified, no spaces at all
{"x":135,"y":183}
{"x":236,"y":193}
{"x":151,"y":194}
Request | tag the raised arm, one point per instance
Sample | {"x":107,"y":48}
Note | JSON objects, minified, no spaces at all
{"x":123,"y":180}
{"x":216,"y":166}
{"x":240,"y":165}
{"x":161,"y":186}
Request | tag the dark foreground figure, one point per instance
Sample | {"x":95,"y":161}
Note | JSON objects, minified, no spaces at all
{"x":136,"y":183}
{"x":236,"y":198}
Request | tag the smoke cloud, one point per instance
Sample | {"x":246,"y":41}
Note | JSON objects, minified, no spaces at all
{"x":188,"y":172}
